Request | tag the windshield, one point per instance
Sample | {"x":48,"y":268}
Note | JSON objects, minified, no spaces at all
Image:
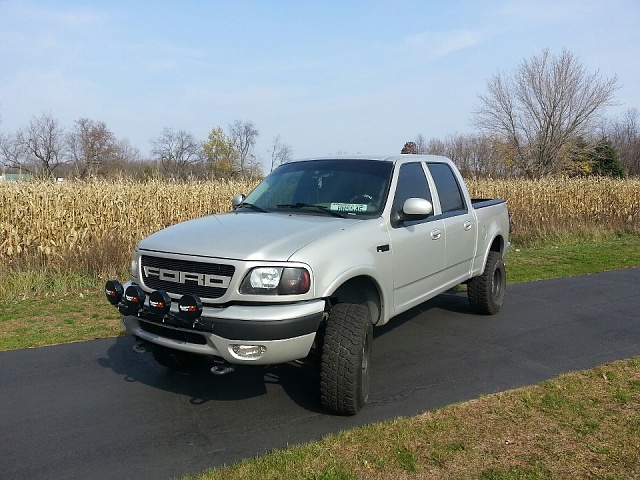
{"x":345,"y":187}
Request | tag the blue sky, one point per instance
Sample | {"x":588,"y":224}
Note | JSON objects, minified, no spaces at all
{"x":329,"y":77}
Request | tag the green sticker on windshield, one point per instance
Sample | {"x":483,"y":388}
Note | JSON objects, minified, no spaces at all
{"x":349,"y":207}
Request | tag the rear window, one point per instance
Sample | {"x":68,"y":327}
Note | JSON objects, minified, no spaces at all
{"x":449,"y":191}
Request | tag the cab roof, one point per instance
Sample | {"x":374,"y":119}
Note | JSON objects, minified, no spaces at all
{"x":382,"y":158}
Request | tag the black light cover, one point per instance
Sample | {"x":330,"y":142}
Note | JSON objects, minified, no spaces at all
{"x":133,"y":300}
{"x":114,"y":290}
{"x":190,"y":307}
{"x":159,"y":303}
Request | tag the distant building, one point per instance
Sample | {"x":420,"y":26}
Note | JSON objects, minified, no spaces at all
{"x":15,"y":177}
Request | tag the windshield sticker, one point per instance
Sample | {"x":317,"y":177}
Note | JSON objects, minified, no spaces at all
{"x":349,"y":207}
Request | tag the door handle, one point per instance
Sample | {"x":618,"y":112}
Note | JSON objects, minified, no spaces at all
{"x":467,"y":225}
{"x":436,"y":234}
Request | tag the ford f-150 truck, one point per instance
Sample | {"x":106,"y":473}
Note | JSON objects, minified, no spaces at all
{"x":320,"y":252}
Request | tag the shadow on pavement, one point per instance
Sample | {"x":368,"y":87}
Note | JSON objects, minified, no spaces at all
{"x":297,"y":379}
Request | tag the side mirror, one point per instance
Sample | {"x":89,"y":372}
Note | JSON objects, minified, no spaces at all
{"x":415,"y":209}
{"x":237,"y":200}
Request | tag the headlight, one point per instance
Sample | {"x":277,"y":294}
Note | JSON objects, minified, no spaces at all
{"x":276,"y":281}
{"x":265,"y":278}
{"x":134,"y":264}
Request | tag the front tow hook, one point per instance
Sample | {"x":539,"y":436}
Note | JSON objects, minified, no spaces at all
{"x":221,"y":367}
{"x":140,"y":348}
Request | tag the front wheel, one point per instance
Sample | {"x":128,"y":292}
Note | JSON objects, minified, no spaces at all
{"x":346,"y":357}
{"x":486,"y":291}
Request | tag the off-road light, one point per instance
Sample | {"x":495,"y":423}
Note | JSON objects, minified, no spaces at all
{"x":159,"y":303}
{"x":190,"y":307}
{"x":249,"y":351}
{"x":133,"y":300}
{"x":114,"y":290}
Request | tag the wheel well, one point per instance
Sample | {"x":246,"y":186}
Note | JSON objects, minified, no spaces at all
{"x":497,"y":245}
{"x":362,"y":290}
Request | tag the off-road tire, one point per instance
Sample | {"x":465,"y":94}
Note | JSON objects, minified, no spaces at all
{"x":346,"y":359}
{"x":486,"y":291}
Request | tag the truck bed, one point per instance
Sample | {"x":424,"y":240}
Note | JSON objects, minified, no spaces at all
{"x":486,"y":202}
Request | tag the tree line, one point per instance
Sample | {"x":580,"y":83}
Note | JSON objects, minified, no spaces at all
{"x":44,"y":149}
{"x":546,"y":118}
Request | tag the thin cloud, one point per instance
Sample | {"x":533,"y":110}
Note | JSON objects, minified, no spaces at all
{"x":442,"y":44}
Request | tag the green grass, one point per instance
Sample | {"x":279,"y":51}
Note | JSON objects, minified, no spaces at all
{"x":53,"y":320}
{"x":569,"y":257}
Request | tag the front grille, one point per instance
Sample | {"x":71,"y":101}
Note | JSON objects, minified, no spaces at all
{"x":174,"y":334}
{"x":190,"y":285}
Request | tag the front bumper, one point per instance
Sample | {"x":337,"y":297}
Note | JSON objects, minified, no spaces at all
{"x":286,"y":331}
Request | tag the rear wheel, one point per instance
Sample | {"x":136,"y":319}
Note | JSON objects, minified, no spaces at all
{"x":345,"y":375}
{"x":486,"y":291}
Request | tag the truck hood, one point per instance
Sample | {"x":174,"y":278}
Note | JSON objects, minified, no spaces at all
{"x":245,"y":236}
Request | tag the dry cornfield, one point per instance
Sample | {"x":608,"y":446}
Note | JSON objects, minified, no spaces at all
{"x":94,"y":225}
{"x":542,"y":209}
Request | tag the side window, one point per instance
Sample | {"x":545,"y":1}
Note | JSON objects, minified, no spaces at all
{"x":448,"y":189}
{"x":412,"y":183}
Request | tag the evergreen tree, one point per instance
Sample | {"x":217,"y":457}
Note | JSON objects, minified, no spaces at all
{"x":606,"y":160}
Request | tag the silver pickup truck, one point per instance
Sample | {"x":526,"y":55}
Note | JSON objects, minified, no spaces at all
{"x":320,"y":252}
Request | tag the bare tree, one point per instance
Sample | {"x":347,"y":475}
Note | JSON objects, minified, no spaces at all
{"x":436,"y":146}
{"x":421,"y":144}
{"x":12,"y":151}
{"x":475,"y":155}
{"x":546,"y":104}
{"x":624,"y":133}
{"x":38,"y":149}
{"x":176,"y":151}
{"x":126,"y":160}
{"x":244,"y":136}
{"x":127,"y":153}
{"x":280,"y":152}
{"x":92,"y":147}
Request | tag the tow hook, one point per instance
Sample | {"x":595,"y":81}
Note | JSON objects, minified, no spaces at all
{"x":221,"y":367}
{"x":140,"y":348}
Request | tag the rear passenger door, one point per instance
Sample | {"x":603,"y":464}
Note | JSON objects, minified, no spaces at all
{"x":418,"y":247}
{"x":460,"y":226}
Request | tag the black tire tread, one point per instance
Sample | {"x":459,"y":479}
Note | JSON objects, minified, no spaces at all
{"x":340,"y":367}
{"x":479,"y":289}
